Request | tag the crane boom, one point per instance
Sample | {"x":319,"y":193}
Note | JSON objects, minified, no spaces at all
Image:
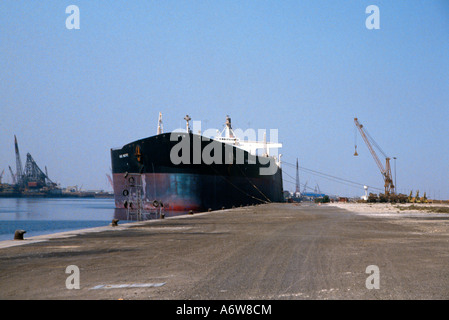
{"x":373,"y":153}
{"x":386,"y":172}
{"x":13,"y":176}
{"x":19,"y":169}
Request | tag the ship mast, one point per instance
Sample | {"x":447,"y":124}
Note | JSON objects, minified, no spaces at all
{"x":187,"y":119}
{"x":159,"y":124}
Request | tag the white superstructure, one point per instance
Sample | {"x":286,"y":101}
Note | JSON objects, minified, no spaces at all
{"x":228,"y":136}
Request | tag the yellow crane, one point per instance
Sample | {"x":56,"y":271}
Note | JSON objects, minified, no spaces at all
{"x":386,"y":172}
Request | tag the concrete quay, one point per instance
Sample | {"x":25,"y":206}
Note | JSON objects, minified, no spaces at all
{"x":265,"y":252}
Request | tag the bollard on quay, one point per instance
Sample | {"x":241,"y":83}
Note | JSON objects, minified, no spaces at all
{"x":18,"y":235}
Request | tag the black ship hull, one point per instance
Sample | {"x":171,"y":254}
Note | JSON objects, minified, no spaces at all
{"x":190,"y":172}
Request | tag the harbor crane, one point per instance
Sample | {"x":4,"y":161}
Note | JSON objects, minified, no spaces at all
{"x":30,"y":176}
{"x":386,"y":172}
{"x":110,"y":181}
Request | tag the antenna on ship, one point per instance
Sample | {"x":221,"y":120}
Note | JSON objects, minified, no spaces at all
{"x":159,"y":124}
{"x":187,"y":119}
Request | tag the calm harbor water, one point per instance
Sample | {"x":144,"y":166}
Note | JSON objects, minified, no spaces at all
{"x":40,"y":216}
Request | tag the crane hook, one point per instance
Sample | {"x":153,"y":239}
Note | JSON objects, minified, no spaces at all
{"x":355,"y":152}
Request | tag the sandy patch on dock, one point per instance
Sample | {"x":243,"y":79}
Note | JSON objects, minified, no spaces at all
{"x":424,"y":222}
{"x":389,"y":209}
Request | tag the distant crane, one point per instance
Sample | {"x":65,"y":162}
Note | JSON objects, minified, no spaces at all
{"x":110,"y":180}
{"x":30,"y":176}
{"x":386,"y":172}
{"x":317,"y":189}
{"x":1,"y":176}
{"x":13,"y":176}
{"x":19,"y":170}
{"x":33,"y":176}
{"x":297,"y":191}
{"x":304,"y":189}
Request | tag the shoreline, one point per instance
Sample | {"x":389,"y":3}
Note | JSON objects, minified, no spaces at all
{"x":77,"y":232}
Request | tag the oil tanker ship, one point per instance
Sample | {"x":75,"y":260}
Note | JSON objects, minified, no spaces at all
{"x":183,"y":171}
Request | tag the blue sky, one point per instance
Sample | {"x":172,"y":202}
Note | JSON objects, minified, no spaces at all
{"x":306,"y":68}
